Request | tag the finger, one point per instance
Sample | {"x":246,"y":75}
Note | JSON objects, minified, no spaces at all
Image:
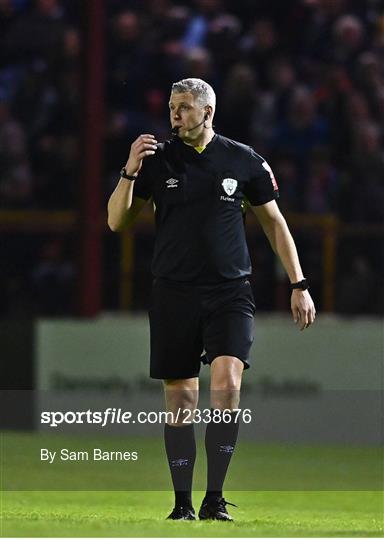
{"x":145,"y":153}
{"x":146,"y":135}
{"x":146,"y":146}
{"x":303,"y":319}
{"x":312,"y":312}
{"x":139,"y":144}
{"x":311,"y":319}
{"x":147,"y":141}
{"x":144,"y":138}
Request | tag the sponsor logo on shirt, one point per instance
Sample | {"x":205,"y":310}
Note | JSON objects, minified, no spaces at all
{"x":172,"y":183}
{"x":272,"y":176}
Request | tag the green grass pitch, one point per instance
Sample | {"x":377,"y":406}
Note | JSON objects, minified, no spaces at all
{"x":275,"y":507}
{"x":122,"y":514}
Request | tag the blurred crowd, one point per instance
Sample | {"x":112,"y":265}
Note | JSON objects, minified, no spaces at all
{"x":300,"y":81}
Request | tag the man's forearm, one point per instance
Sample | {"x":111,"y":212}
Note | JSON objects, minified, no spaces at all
{"x":119,"y":204}
{"x":283,"y":245}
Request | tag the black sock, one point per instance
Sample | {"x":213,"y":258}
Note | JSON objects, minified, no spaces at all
{"x":180,"y":446}
{"x":220,"y":441}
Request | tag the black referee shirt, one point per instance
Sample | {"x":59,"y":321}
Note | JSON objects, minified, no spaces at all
{"x":198,"y":196}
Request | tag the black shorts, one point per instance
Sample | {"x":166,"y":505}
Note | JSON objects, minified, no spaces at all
{"x":186,"y":319}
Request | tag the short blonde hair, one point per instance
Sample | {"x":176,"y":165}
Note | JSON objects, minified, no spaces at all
{"x":200,"y":89}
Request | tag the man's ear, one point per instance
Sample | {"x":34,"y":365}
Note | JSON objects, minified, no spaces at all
{"x":208,"y":112}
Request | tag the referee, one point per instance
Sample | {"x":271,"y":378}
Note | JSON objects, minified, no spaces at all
{"x":199,"y":182}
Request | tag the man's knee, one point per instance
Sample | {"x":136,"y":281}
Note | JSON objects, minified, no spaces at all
{"x":226,"y":373}
{"x":181,"y":397}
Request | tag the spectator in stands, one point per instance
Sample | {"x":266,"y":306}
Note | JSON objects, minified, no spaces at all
{"x":239,"y":100}
{"x":15,"y":176}
{"x":303,"y":128}
{"x":273,"y":103}
{"x":363,"y":194}
{"x":322,"y":185}
{"x":260,"y":47}
{"x":53,"y":280}
{"x":35,"y":34}
{"x":223,"y":41}
{"x":128,"y":61}
{"x":198,"y":26}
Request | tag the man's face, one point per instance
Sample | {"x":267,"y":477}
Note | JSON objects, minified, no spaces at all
{"x":186,"y":113}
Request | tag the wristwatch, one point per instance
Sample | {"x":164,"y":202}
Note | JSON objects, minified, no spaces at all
{"x":303,"y":285}
{"x":123,"y":174}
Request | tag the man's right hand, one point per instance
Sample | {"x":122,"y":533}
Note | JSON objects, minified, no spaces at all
{"x":144,"y":145}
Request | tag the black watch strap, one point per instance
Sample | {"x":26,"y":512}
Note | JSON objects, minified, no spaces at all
{"x":123,"y":174}
{"x":303,"y":285}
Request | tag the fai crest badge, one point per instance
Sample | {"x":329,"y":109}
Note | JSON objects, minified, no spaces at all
{"x":229,"y":185}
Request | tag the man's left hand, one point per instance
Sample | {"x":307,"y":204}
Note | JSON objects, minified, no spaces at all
{"x":303,"y":308}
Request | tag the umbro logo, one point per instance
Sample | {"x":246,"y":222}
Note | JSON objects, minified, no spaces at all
{"x":179,"y":462}
{"x":172,"y":183}
{"x":226,"y":449}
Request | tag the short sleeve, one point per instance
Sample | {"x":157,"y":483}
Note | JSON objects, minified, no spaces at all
{"x":144,"y":184}
{"x":262,"y":186}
